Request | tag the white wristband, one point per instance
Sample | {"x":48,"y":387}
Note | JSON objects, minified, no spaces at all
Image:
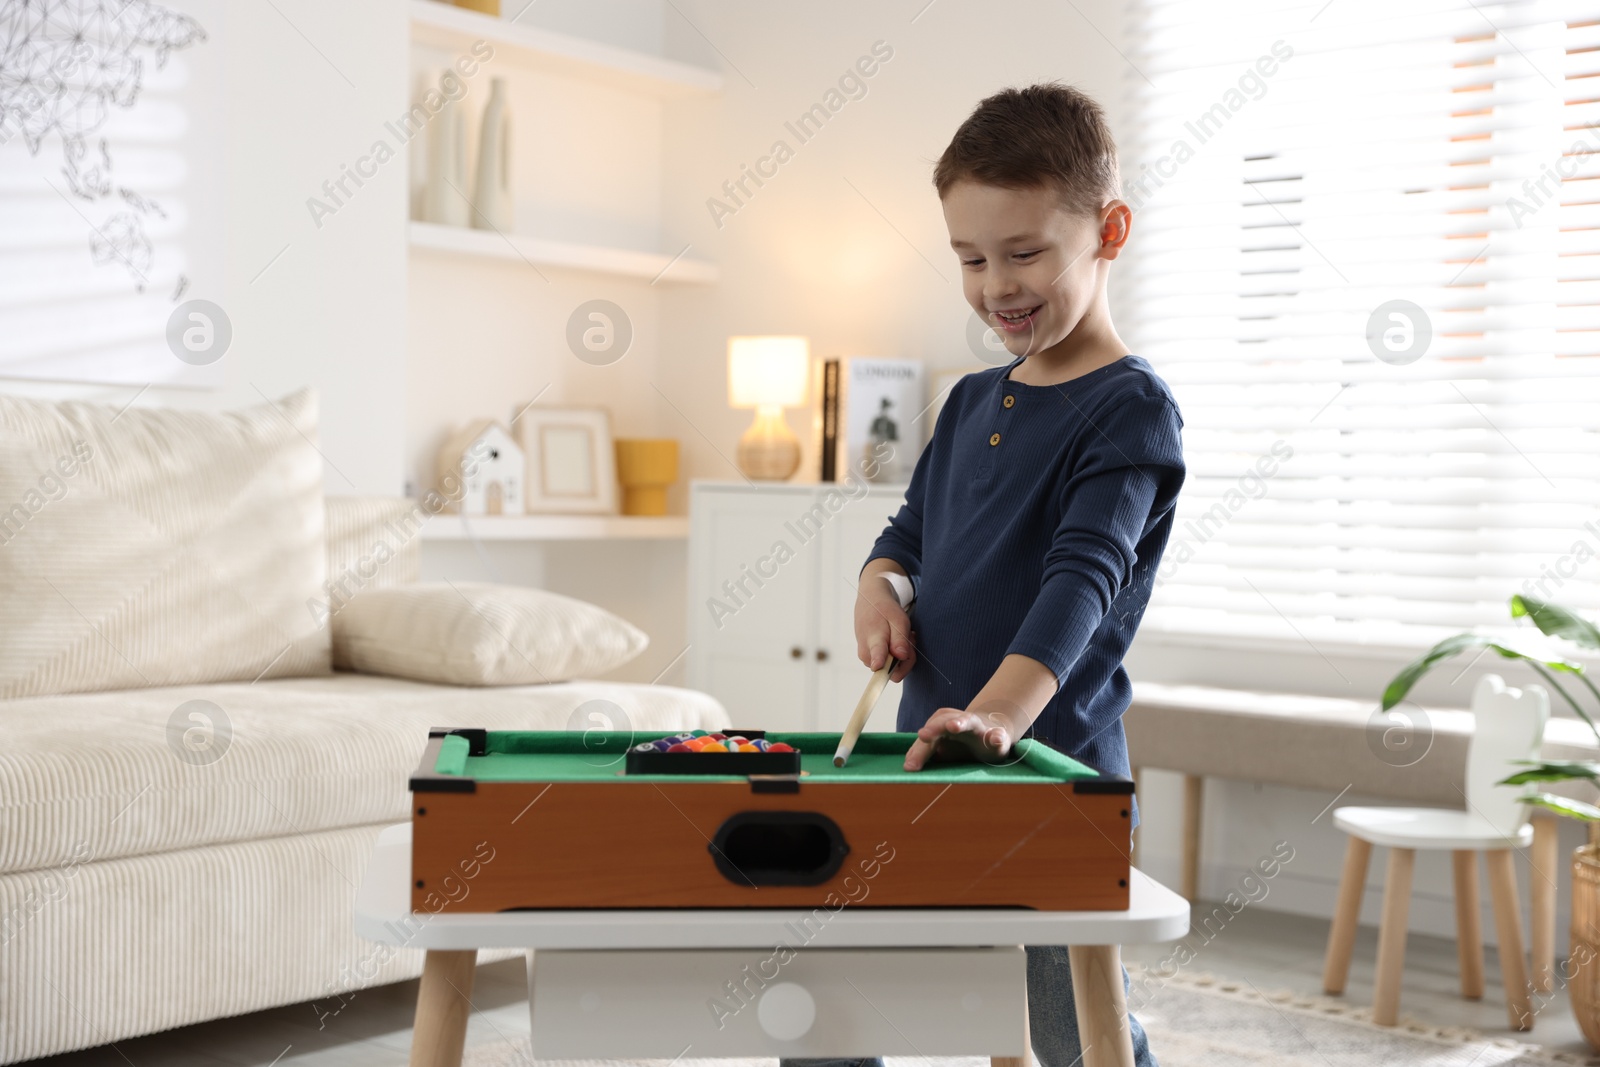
{"x":901,"y":586}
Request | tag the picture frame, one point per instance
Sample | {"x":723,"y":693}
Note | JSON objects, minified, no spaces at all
{"x":571,"y":461}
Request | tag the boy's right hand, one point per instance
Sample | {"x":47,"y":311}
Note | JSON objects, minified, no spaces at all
{"x":882,"y":626}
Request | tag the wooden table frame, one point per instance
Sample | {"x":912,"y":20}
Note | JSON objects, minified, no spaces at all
{"x":452,"y":940}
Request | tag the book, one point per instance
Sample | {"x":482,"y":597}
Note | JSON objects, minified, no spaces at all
{"x":830,"y":419}
{"x":880,"y":419}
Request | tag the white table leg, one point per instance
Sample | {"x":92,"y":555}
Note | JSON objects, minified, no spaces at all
{"x":1102,"y":1005}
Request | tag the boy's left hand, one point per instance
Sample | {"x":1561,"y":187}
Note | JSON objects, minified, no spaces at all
{"x":953,"y":733}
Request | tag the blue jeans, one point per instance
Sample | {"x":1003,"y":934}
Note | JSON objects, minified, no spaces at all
{"x":1052,"y":1018}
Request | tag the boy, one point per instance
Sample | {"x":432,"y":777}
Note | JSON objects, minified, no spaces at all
{"x":1037,"y":514}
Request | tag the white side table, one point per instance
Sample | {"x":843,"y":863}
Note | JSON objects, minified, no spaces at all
{"x":785,"y":982}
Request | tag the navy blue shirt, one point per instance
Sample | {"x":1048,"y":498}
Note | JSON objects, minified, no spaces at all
{"x":1033,"y":524}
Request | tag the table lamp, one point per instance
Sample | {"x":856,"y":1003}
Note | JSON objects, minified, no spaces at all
{"x":768,"y":374}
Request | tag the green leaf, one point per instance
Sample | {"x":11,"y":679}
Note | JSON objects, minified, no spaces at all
{"x":1401,"y":684}
{"x":1575,"y":809}
{"x":1554,"y":771}
{"x":1558,"y":687}
{"x":1556,"y":621}
{"x":1408,"y":677}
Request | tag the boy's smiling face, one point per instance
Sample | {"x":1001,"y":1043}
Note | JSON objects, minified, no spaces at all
{"x":1030,"y":268}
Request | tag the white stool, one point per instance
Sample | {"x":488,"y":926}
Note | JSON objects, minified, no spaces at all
{"x":1510,"y":725}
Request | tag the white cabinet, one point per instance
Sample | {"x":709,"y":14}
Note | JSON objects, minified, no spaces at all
{"x":772,"y":586}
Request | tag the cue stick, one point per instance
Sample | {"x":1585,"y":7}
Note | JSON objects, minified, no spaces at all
{"x":875,"y":684}
{"x":858,"y":719}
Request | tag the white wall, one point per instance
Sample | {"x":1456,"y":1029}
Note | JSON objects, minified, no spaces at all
{"x":329,"y":311}
{"x":846,"y":244}
{"x":807,"y":255}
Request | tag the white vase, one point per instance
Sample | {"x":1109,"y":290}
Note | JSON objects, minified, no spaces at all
{"x":491,"y":199}
{"x":445,"y":197}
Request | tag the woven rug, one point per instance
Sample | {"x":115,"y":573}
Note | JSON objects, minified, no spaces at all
{"x":1201,"y":1021}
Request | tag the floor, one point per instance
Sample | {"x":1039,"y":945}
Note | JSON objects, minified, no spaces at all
{"x":1270,"y":949}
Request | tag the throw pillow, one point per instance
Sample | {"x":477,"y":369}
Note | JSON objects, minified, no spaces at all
{"x":476,"y":633}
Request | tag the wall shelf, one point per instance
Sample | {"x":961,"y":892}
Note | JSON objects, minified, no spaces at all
{"x":448,"y":527}
{"x":443,"y":26}
{"x":518,"y":248}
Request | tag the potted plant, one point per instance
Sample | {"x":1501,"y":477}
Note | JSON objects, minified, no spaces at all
{"x":1558,"y":622}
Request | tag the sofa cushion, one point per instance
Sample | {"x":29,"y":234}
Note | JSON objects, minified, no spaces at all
{"x":101,"y":775}
{"x":478,"y":633}
{"x":373,"y":543}
{"x":150,"y":547}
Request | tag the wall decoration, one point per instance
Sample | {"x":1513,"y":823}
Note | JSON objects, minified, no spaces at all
{"x":492,"y":200}
{"x":491,"y":467}
{"x":444,"y":198}
{"x":98,"y":103}
{"x":645,"y":470}
{"x":872,"y":419}
{"x":572,"y":465}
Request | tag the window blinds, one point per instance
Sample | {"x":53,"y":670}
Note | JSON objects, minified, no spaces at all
{"x":1297,"y":169}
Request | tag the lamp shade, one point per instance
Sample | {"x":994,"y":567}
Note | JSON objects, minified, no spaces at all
{"x":767,"y":371}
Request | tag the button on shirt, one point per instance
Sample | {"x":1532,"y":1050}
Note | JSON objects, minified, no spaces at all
{"x":1033,"y":524}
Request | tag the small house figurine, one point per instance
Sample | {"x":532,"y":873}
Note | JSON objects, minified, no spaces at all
{"x":482,"y":471}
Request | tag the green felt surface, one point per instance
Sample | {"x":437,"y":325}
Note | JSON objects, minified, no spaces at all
{"x":561,"y":756}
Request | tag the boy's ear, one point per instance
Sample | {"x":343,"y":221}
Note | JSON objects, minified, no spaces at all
{"x":1116,"y":220}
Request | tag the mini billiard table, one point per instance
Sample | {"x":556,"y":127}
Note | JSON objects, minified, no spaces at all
{"x":508,"y":820}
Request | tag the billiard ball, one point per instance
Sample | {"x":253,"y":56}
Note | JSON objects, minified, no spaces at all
{"x":779,"y":746}
{"x":680,"y":747}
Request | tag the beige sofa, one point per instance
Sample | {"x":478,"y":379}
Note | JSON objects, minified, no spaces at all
{"x":140,"y":890}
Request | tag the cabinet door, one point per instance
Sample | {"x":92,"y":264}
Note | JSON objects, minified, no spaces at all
{"x":841,"y":676}
{"x":752,"y":606}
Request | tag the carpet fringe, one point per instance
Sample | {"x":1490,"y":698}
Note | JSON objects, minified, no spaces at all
{"x":1343,"y":1009}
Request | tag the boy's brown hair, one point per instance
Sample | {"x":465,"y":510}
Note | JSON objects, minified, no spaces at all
{"x":1043,"y":135}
